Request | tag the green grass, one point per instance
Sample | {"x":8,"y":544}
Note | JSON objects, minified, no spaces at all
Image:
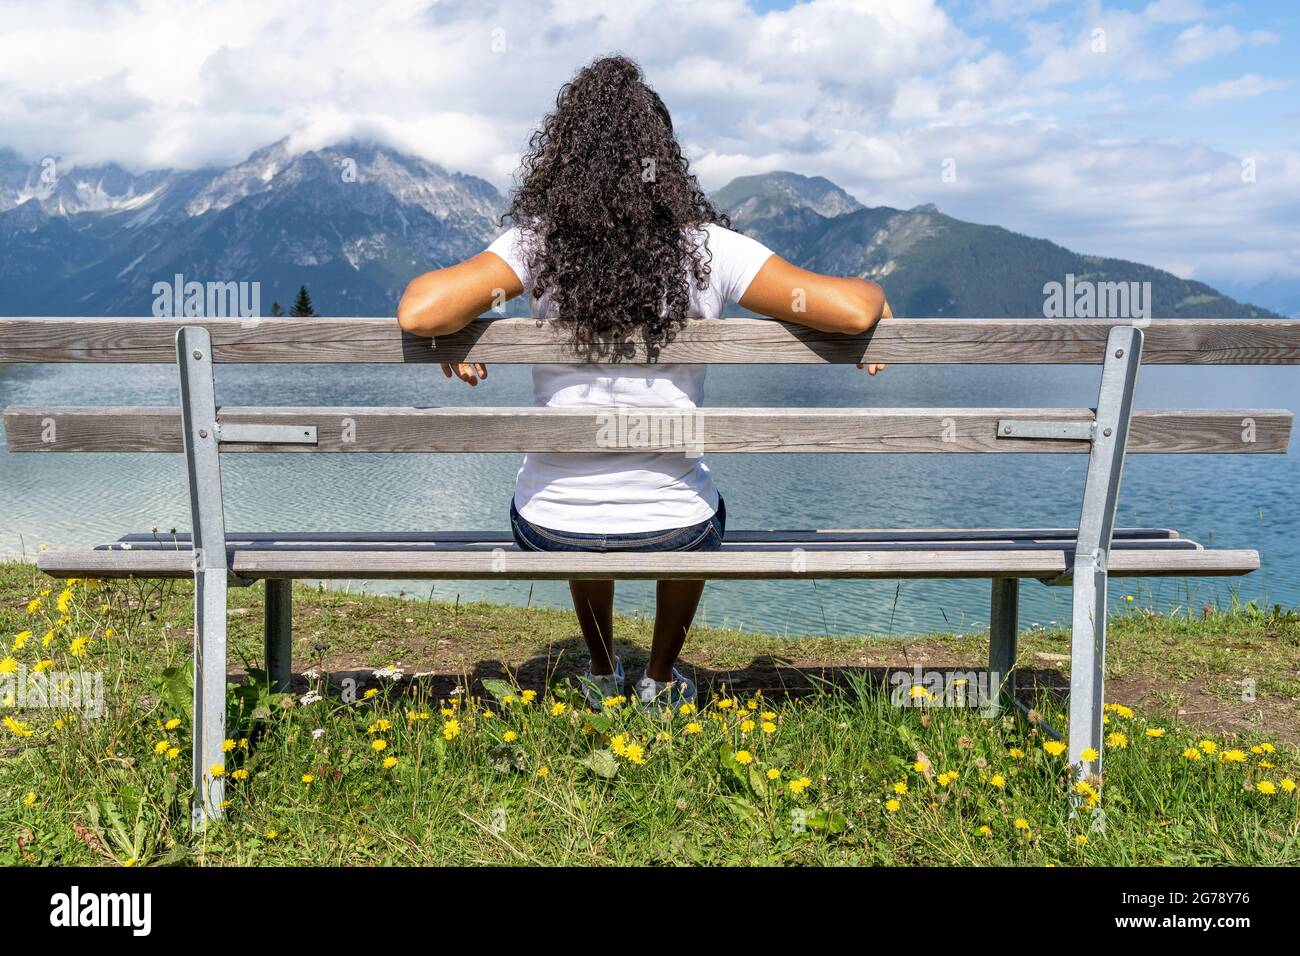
{"x":622,"y":786}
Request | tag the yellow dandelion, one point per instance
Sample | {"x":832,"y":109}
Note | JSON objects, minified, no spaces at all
{"x":1054,"y":747}
{"x":308,"y":778}
{"x":1081,"y":840}
{"x":529,"y":696}
{"x":1191,"y":753}
{"x":1266,"y":787}
{"x":390,"y":762}
{"x":1233,"y":756}
{"x":9,"y":665}
{"x":557,"y":708}
{"x":799,"y":785}
{"x":746,"y":726}
{"x":744,"y":757}
{"x":173,"y":753}
{"x":1288,"y":784}
{"x":79,"y":647}
{"x":173,"y":723}
{"x":985,"y":830}
{"x":1117,"y":740}
{"x":379,"y":744}
{"x":893,"y":805}
{"x":161,"y":746}
{"x":1022,"y":823}
{"x":686,"y":709}
{"x":998,"y":780}
{"x":543,"y":772}
{"x":692,"y":728}
{"x":451,"y":729}
{"x":1155,"y":731}
{"x":1015,"y":753}
{"x":228,"y":745}
{"x":900,"y":787}
{"x":634,"y":753}
{"x":217,"y":770}
{"x":510,"y":736}
{"x":240,"y":774}
{"x":726,"y":703}
{"x":773,"y":774}
{"x":30,"y":799}
{"x":1089,"y":755}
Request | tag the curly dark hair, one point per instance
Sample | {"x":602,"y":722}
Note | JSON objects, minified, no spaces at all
{"x":609,"y":213}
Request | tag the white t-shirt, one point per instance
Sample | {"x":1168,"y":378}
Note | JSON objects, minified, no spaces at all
{"x":626,"y":492}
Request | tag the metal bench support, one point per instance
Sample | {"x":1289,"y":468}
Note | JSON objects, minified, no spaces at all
{"x":278,"y":634}
{"x":199,"y":420}
{"x":1004,"y":619}
{"x":1096,"y":524}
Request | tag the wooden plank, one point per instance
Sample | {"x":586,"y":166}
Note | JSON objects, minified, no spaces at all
{"x":1026,"y":544}
{"x":504,"y":565}
{"x":1030,"y":341}
{"x":116,"y":564}
{"x":182,"y":538}
{"x":714,"y":430}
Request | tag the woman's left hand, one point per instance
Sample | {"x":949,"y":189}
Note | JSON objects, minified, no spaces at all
{"x":875,"y":367}
{"x":472,"y":372}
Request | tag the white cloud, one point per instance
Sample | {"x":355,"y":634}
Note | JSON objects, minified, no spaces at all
{"x":1200,"y":42}
{"x":875,"y":96}
{"x":1249,"y":84}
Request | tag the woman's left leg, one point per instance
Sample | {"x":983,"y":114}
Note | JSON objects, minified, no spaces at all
{"x":593,"y":601}
{"x":675,"y":604}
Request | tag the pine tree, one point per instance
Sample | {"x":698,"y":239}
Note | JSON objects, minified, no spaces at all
{"x":276,"y":309}
{"x":302,"y":305}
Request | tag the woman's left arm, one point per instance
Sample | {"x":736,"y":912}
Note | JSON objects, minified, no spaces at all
{"x":446,"y":300}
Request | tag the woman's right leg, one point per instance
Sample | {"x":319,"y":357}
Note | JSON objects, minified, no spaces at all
{"x":593,"y":601}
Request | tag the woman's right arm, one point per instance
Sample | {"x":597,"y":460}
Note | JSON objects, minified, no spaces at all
{"x":844,"y":304}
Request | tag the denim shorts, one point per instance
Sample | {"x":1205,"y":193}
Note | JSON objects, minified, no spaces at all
{"x":705,"y":536}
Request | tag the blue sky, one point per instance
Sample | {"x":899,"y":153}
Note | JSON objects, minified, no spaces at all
{"x":1166,"y":131}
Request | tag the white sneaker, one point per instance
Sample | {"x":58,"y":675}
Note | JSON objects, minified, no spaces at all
{"x":673,"y":693}
{"x":596,"y":687}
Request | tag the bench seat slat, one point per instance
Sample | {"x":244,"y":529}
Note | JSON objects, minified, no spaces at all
{"x":908,"y":563}
{"x":839,"y":535}
{"x":1020,"y":341}
{"x":714,"y":430}
{"x":1027,"y":544}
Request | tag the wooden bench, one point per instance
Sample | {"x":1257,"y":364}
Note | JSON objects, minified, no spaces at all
{"x":1083,"y":556}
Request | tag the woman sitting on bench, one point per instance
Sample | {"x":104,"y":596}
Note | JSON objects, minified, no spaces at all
{"x":612,"y":231}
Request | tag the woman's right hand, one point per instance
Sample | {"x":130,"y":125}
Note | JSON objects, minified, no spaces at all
{"x":874,"y":367}
{"x":469,"y":372}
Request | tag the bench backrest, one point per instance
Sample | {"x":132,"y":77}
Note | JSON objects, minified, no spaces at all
{"x":724,"y":341}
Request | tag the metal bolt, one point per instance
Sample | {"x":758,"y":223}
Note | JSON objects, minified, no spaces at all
{"x":198,"y":354}
{"x":1106,"y":432}
{"x":1006,"y":429}
{"x":1119,"y":353}
{"x":203,"y":433}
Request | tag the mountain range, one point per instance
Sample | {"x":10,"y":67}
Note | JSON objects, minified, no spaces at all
{"x":353,"y":222}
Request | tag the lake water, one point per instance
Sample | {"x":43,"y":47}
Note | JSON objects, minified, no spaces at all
{"x":1227,"y":500}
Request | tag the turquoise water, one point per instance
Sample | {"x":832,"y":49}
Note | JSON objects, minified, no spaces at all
{"x":1226,"y":500}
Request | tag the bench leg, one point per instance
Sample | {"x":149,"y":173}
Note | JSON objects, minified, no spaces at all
{"x":278,"y":635}
{"x":1088,"y":664}
{"x":1004,"y":621}
{"x":209,"y":692}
